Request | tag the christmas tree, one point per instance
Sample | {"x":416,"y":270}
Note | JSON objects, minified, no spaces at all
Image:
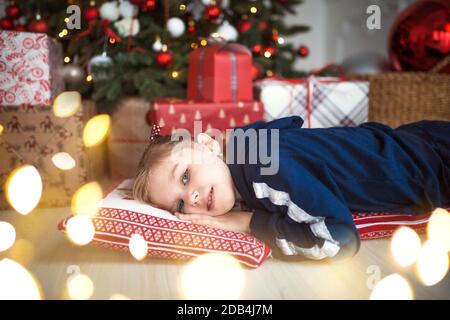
{"x":140,"y":47}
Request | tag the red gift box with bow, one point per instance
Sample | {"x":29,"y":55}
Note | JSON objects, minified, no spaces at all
{"x":220,"y":73}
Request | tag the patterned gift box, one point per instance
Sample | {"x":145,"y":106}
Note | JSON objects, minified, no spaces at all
{"x":321,"y":101}
{"x":128,"y":136}
{"x":220,"y":73}
{"x":172,"y":114}
{"x":32,"y":135}
{"x":30,"y":68}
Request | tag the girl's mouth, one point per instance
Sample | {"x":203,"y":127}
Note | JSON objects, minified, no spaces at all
{"x":210,"y":204}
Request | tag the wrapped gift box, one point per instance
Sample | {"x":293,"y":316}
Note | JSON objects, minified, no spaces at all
{"x":220,"y":73}
{"x":30,"y":68}
{"x":321,"y":101}
{"x":32,"y":135}
{"x":128,"y":137}
{"x":172,"y":114}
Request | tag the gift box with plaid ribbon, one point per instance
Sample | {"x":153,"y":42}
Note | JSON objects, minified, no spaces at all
{"x":321,"y":101}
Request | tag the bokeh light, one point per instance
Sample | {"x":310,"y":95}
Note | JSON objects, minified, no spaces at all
{"x":66,"y":104}
{"x":438,"y":227}
{"x":138,"y":247}
{"x":392,"y":287}
{"x":80,"y":230}
{"x":405,"y":246}
{"x":432,"y":263}
{"x":1,"y":129}
{"x":16,"y":282}
{"x":87,"y":199}
{"x":80,"y":287}
{"x":7,"y":235}
{"x":24,"y":189}
{"x":63,"y":161}
{"x":96,"y":130}
{"x":213,"y":276}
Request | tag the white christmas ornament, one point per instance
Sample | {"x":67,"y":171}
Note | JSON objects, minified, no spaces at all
{"x":157,"y":45}
{"x":128,"y":10}
{"x":109,"y":11}
{"x":176,"y":27}
{"x":206,"y":2}
{"x":228,"y":32}
{"x":127,"y":27}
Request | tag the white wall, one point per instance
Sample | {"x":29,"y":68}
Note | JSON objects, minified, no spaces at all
{"x":338,"y":29}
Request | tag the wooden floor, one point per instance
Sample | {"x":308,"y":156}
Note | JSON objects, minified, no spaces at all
{"x":53,"y":258}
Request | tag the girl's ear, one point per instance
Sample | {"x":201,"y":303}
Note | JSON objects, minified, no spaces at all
{"x":205,"y":140}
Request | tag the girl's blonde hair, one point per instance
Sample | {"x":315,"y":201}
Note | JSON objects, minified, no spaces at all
{"x":159,"y":148}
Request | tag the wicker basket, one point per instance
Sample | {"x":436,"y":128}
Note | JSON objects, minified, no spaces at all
{"x":396,"y":98}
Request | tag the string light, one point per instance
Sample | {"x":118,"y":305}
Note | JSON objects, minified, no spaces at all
{"x":203,"y":42}
{"x":66,"y":20}
{"x":64,"y":32}
{"x":182,"y":7}
{"x":267,"y":54}
{"x":269,"y":73}
{"x":66,"y":59}
{"x":175,"y":74}
{"x":112,"y":40}
{"x":88,"y":78}
{"x":253,"y":10}
{"x":194,"y":45}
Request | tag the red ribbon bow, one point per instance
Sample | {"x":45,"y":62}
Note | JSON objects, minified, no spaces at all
{"x":105,"y":25}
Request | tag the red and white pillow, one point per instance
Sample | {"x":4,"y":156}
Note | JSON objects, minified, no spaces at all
{"x":120,"y":217}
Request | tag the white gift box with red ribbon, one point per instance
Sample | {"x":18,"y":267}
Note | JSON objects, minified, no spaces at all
{"x":30,"y":68}
{"x":321,"y":101}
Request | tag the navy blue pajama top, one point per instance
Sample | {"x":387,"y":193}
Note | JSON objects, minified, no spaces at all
{"x":303,"y":211}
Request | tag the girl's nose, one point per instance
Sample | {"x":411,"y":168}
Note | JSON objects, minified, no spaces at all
{"x":195,"y":197}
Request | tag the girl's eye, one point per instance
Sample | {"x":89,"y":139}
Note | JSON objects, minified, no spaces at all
{"x":185,"y":177}
{"x":180,"y":206}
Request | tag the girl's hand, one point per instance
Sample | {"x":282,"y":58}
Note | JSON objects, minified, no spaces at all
{"x":238,"y":221}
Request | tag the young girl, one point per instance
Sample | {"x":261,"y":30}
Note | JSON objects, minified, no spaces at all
{"x":302,"y":209}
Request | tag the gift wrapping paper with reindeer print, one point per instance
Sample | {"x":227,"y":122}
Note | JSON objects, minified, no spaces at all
{"x":32,"y":134}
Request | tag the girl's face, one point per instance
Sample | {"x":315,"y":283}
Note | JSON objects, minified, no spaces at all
{"x":192,"y":179}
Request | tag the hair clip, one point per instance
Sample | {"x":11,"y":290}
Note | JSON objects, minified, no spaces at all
{"x":155,"y":132}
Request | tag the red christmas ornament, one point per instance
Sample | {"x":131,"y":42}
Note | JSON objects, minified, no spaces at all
{"x":6,"y":24}
{"x":420,"y":36}
{"x":257,"y":49}
{"x":20,"y":28}
{"x":148,"y":5}
{"x":164,"y":59}
{"x":191,"y":28}
{"x":303,"y":51}
{"x":13,"y":12}
{"x":39,"y":26}
{"x":212,"y":12}
{"x":91,"y":13}
{"x":275,"y":37}
{"x":255,"y":72}
{"x":244,"y":26}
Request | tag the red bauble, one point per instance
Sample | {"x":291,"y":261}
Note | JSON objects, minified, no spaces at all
{"x":20,"y":28}
{"x":40,"y":26}
{"x":6,"y":24}
{"x":419,"y":37}
{"x":13,"y":12}
{"x":212,"y":12}
{"x":244,"y":26}
{"x":164,"y":59}
{"x":303,"y":51}
{"x":257,"y":49}
{"x":275,"y":37}
{"x":91,"y":13}
{"x":148,"y":5}
{"x":255,"y":72}
{"x":191,"y":28}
